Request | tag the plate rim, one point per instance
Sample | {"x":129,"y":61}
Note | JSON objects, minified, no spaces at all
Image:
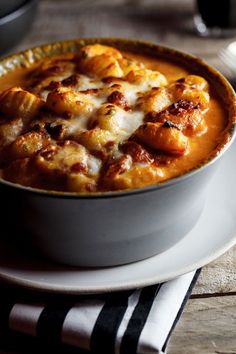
{"x":99,"y":289}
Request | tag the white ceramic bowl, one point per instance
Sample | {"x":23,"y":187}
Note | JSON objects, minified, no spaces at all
{"x":114,"y":228}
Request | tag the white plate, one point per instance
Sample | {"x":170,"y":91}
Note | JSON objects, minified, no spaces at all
{"x":214,"y":234}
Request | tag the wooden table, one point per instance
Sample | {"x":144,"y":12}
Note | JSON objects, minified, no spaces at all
{"x":208,"y":324}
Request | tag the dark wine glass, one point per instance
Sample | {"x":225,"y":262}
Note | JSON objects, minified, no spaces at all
{"x":215,"y":18}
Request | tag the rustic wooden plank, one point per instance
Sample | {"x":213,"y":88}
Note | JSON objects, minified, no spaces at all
{"x":207,"y":326}
{"x":218,"y":276}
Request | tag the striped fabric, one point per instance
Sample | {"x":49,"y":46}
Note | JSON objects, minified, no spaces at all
{"x":129,"y":322}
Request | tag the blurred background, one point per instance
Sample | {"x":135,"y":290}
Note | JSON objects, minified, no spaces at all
{"x":168,"y":22}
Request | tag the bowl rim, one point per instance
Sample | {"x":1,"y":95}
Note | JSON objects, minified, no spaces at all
{"x":20,"y":10}
{"x":30,"y":56}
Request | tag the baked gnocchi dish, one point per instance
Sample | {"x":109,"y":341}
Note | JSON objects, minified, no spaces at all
{"x":102,"y":120}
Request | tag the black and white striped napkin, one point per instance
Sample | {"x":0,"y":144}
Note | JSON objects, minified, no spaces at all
{"x":128,"y":322}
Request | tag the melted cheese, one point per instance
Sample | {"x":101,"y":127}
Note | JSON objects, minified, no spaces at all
{"x":94,"y":166}
{"x":127,"y":123}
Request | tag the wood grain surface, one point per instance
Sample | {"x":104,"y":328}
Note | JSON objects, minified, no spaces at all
{"x":208,"y":324}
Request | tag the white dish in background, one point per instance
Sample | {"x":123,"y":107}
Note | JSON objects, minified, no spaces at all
{"x":214,"y":234}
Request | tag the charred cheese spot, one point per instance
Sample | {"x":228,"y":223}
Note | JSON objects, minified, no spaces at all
{"x":138,"y":153}
{"x":61,"y":158}
{"x":192,"y":88}
{"x":123,"y":174}
{"x":68,"y":163}
{"x":183,"y":115}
